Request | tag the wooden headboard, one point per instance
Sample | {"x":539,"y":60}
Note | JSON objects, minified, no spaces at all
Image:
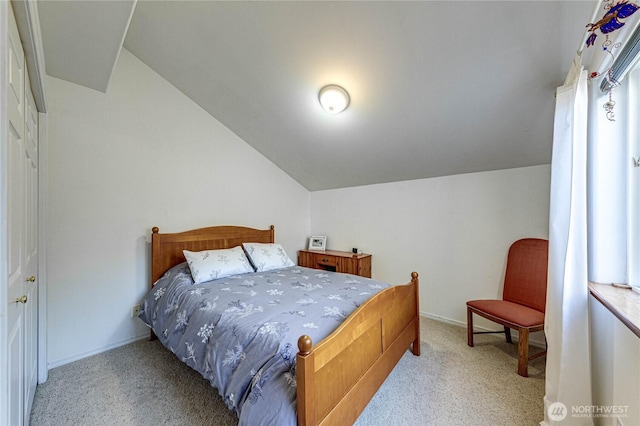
{"x":166,"y":249}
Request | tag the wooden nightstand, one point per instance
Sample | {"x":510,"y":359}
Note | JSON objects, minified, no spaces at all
{"x":337,"y":261}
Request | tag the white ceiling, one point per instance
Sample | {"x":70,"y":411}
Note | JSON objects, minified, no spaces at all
{"x":437,"y":87}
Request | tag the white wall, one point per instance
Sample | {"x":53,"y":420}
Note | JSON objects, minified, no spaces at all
{"x":454,"y":231}
{"x":615,"y":366}
{"x":139,"y":156}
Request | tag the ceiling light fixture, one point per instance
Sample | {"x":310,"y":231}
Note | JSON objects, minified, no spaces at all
{"x":333,"y":98}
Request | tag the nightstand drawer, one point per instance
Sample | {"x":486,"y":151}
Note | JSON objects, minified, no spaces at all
{"x":324,"y":260}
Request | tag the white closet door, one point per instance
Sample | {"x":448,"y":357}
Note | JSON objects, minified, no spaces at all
{"x":22,"y":238}
{"x":15,"y":213}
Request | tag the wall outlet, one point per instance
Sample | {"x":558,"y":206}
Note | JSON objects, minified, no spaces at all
{"x":135,"y":310}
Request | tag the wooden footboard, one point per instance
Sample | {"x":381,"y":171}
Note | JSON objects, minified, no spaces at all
{"x":337,"y":378}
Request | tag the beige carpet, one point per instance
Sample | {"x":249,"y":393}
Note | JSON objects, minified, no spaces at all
{"x":144,"y":384}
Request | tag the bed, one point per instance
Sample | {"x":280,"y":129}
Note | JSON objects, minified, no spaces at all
{"x":333,"y":379}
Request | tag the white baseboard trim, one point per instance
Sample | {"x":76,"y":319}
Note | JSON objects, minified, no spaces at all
{"x":444,"y":319}
{"x":514,"y":335}
{"x":78,"y":357}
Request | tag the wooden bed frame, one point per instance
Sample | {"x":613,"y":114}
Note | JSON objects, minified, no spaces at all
{"x":337,"y":377}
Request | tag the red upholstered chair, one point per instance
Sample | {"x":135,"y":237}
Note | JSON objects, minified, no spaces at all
{"x":523,"y":299}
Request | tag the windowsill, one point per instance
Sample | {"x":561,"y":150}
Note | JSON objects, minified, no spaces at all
{"x":623,"y":303}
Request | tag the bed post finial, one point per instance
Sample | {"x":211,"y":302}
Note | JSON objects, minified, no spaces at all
{"x":155,"y":229}
{"x":304,"y":344}
{"x":414,"y":276}
{"x":272,"y":227}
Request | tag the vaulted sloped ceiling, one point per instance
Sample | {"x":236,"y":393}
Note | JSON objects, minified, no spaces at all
{"x":437,"y":87}
{"x":82,"y":39}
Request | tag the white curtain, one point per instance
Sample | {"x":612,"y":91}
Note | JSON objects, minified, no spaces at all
{"x":568,"y":379}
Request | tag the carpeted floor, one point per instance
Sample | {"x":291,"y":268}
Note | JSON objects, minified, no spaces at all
{"x":144,"y":384}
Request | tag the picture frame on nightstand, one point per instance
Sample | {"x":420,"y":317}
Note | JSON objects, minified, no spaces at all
{"x":317,"y":243}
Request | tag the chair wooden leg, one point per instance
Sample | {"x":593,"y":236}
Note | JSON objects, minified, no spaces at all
{"x":507,"y":334}
{"x":469,"y":327}
{"x":523,"y":352}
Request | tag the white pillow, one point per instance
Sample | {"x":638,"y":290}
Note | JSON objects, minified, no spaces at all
{"x":209,"y":265}
{"x":266,"y":257}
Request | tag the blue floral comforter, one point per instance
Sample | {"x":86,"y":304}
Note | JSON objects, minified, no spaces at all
{"x":241,"y":332}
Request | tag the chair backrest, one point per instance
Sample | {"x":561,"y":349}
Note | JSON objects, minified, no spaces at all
{"x":525,"y":281}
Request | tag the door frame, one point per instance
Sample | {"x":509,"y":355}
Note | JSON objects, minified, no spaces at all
{"x":43,"y":363}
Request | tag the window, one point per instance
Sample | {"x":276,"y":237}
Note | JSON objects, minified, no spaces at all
{"x":615,"y":169}
{"x":633,"y":178}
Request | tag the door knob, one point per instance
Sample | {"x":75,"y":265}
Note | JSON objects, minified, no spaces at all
{"x":31,"y":279}
{"x":22,"y":299}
